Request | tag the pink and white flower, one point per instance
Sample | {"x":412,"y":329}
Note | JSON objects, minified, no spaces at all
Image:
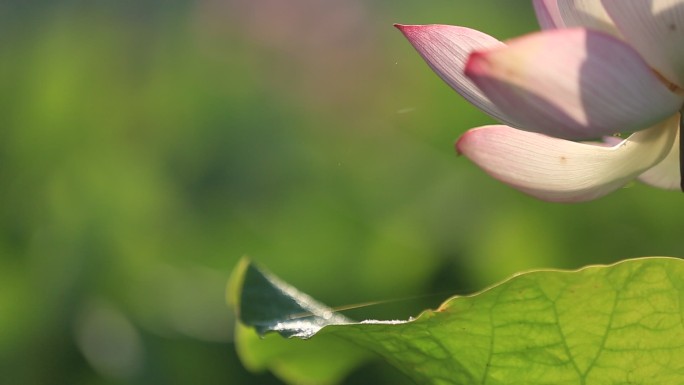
{"x":597,"y":68}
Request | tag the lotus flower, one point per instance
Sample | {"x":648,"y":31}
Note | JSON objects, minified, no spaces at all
{"x":597,"y":69}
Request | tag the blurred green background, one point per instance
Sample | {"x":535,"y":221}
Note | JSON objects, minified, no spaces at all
{"x":145,"y":146}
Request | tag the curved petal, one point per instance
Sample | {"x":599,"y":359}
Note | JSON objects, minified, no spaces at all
{"x":573,"y":83}
{"x":586,"y":13}
{"x":548,"y":14}
{"x":666,"y":174}
{"x":656,"y":29}
{"x":446,"y":48}
{"x":558,"y":170}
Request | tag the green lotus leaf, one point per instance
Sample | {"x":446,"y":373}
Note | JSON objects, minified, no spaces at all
{"x":617,"y":324}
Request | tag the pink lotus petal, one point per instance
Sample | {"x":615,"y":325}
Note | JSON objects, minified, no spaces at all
{"x":656,"y":29}
{"x":572,"y":83}
{"x":559,"y":170}
{"x":548,"y":14}
{"x":446,"y":48}
{"x":586,"y":13}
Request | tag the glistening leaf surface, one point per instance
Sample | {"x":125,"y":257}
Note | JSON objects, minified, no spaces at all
{"x":618,"y":324}
{"x":263,"y":303}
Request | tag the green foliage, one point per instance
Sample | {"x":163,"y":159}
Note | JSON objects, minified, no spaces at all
{"x":618,"y":324}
